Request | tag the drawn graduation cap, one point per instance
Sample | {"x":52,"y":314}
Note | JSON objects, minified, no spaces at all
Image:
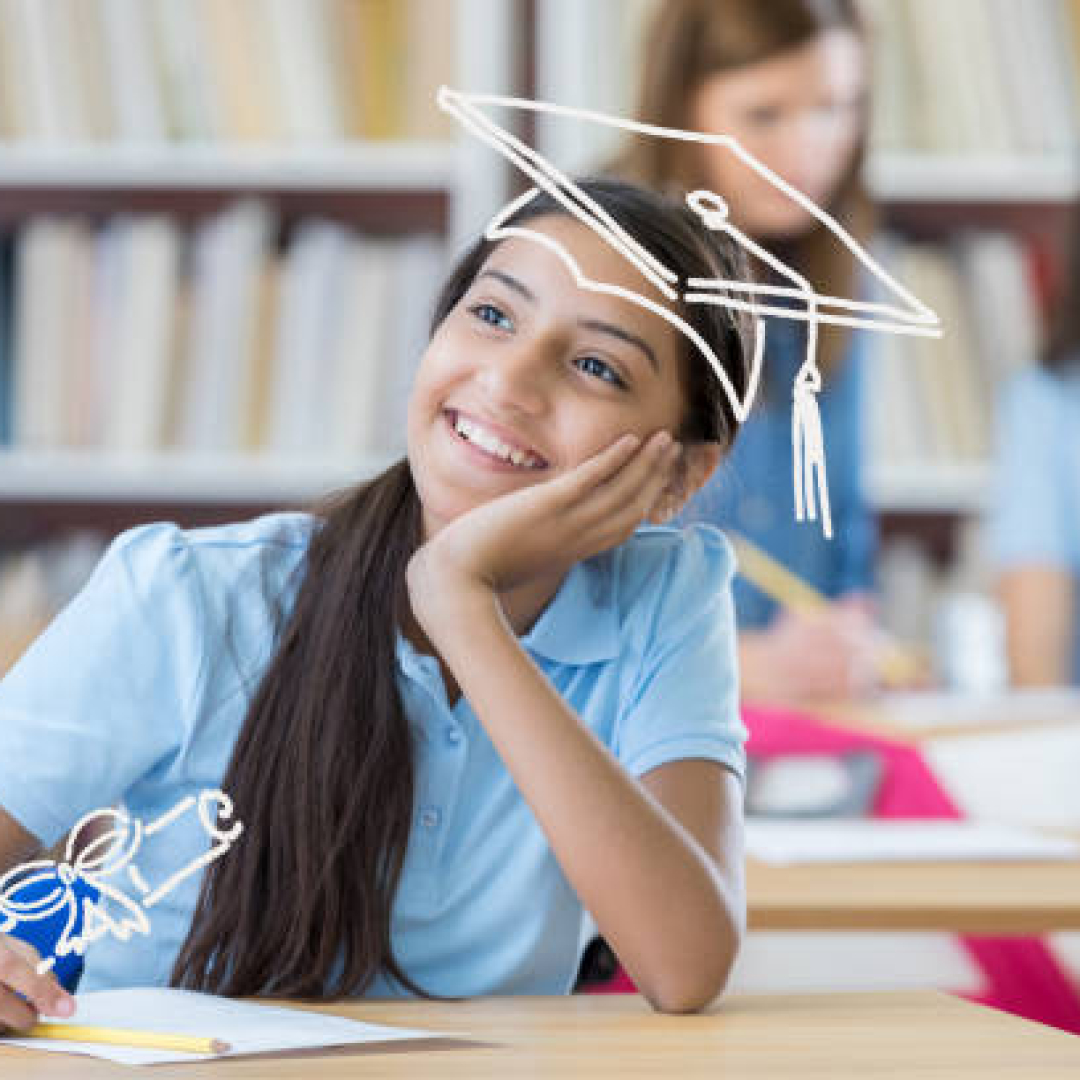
{"x":797,"y":301}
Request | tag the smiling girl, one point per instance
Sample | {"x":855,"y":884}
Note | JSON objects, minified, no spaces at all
{"x":459,"y":703}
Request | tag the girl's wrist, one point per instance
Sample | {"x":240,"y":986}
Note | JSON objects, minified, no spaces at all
{"x":446,"y":602}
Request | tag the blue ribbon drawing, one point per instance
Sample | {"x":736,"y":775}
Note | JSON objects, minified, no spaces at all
{"x":100,"y":846}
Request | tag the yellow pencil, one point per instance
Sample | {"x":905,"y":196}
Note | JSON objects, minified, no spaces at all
{"x":898,"y":666}
{"x":774,"y":580}
{"x":152,"y":1040}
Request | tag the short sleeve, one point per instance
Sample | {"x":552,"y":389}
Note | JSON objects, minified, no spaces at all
{"x":1027,"y":523}
{"x":685,"y":700}
{"x":102,"y":696}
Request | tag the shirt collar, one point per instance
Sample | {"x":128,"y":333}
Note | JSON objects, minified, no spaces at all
{"x":579,"y":626}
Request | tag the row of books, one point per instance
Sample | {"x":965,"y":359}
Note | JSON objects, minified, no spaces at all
{"x":135,"y":336}
{"x":967,"y":76}
{"x":137,"y":72}
{"x":931,"y":401}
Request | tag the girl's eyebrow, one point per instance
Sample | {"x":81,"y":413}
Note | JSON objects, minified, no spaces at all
{"x":622,"y":335}
{"x":598,"y":325}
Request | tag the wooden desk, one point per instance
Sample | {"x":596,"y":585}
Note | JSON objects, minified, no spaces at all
{"x":1005,"y":898}
{"x":978,"y":898}
{"x":905,"y":1035}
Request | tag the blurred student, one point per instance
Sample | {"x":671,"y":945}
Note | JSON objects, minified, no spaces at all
{"x":1035,"y":520}
{"x":788,"y":80}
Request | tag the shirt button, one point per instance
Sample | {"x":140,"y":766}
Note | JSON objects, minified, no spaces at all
{"x":430,"y":817}
{"x":453,"y":735}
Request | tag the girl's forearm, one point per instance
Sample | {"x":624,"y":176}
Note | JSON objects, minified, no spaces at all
{"x":655,"y":894}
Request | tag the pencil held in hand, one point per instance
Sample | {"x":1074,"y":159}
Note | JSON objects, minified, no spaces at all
{"x":149,"y":1040}
{"x":896,"y":665}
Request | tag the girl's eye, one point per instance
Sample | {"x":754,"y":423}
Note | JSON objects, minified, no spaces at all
{"x":593,"y":365}
{"x":491,"y":315}
{"x":763,"y":115}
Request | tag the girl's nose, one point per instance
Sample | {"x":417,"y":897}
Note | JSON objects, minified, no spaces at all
{"x":516,"y":378}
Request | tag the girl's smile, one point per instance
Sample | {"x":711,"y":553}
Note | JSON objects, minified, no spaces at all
{"x":491,"y":445}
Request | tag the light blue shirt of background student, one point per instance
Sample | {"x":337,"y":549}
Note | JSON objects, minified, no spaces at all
{"x":137,"y":691}
{"x":1035,"y":518}
{"x":752,"y":490}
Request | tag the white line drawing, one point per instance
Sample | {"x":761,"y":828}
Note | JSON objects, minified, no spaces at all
{"x":103,"y":857}
{"x":811,"y":494}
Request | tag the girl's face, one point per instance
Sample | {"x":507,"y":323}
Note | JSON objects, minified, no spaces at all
{"x":800,"y":113}
{"x":534,"y":366}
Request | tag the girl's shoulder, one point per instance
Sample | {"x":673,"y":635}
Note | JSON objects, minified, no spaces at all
{"x":662,"y":570}
{"x":279,"y":536}
{"x":161,"y":546}
{"x":218,"y":568}
{"x":216,"y":594}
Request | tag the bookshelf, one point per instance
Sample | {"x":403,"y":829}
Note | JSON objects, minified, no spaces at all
{"x":389,"y":186}
{"x":928,"y":177}
{"x":32,"y":479}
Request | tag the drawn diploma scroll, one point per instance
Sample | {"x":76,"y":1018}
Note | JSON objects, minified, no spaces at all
{"x":104,"y":856}
{"x":802,"y":302}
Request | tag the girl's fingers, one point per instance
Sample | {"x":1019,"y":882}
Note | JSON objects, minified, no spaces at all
{"x":614,"y":489}
{"x":18,"y":973}
{"x":15,"y":1014}
{"x":631,"y":494}
{"x":600,"y":468}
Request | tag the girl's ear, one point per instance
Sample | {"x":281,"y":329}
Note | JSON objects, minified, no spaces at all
{"x":697,"y":464}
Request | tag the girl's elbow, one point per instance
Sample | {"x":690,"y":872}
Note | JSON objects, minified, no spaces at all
{"x":688,"y":997}
{"x":696,"y":988}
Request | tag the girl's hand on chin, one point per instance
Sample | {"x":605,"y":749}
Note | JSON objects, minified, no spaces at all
{"x":553,"y":524}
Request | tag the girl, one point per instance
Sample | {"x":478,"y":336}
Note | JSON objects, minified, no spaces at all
{"x":1035,"y":522}
{"x":786,"y":79}
{"x":458,"y":704}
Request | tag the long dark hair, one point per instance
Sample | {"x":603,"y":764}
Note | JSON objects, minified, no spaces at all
{"x":686,"y":42}
{"x":322,"y":772}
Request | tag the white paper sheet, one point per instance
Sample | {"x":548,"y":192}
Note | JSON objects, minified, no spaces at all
{"x":1026,"y":778}
{"x":925,"y":710}
{"x":247,"y":1028}
{"x":788,"y":842}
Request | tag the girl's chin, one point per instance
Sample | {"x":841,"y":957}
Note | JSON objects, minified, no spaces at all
{"x":781,"y":226}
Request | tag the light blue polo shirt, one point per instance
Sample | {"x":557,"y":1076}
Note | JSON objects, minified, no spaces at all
{"x":137,"y":691}
{"x":1035,"y":515}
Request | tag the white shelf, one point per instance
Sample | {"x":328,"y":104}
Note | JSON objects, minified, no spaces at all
{"x":89,"y":477}
{"x":930,"y":487}
{"x":357,"y":166}
{"x":930,"y":177}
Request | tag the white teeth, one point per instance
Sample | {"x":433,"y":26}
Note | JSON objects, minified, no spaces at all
{"x":494,"y":445}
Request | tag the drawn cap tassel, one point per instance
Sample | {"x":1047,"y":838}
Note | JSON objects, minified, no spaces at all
{"x":808,"y":448}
